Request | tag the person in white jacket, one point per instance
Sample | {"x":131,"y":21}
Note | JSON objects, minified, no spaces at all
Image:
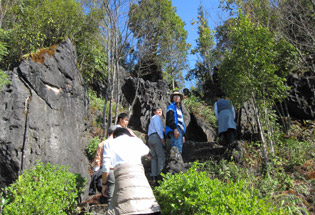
{"x":132,"y":194}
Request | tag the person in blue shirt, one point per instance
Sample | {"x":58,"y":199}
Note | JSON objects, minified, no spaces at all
{"x":156,"y":143}
{"x":175,"y":124}
{"x":225,"y":114}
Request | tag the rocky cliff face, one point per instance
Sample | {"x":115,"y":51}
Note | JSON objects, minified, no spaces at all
{"x":301,"y":99}
{"x":43,"y":114}
{"x":150,"y":95}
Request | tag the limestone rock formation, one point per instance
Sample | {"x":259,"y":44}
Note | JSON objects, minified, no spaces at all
{"x":246,"y":122}
{"x":198,"y":130}
{"x":301,"y":99}
{"x":150,"y":94}
{"x":43,"y":114}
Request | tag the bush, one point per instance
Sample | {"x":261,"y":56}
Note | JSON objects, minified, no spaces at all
{"x":295,"y":153}
{"x":44,"y":189}
{"x":195,"y":193}
{"x":91,"y":148}
{"x":195,"y":105}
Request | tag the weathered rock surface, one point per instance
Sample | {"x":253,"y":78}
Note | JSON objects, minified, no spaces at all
{"x":198,"y":130}
{"x":43,"y":115}
{"x":203,"y":151}
{"x":150,"y":95}
{"x":301,"y":99}
{"x":246,"y":123}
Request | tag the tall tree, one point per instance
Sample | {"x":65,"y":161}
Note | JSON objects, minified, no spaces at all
{"x":115,"y":31}
{"x":204,"y":50}
{"x":250,"y":70}
{"x":293,"y":19}
{"x":297,"y":23}
{"x":157,"y":27}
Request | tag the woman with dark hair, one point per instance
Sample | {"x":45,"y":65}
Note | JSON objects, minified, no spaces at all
{"x":132,"y":194}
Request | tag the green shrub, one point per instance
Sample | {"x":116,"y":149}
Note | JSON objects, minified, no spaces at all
{"x":95,"y":102}
{"x":44,"y":189}
{"x":195,"y":193}
{"x":91,"y":148}
{"x":294,"y":153}
{"x":198,"y":107}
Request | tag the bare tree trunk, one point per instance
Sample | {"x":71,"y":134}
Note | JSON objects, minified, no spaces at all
{"x":108,"y":84}
{"x":270,"y":132}
{"x":117,"y":79}
{"x":262,"y":135}
{"x":111,"y":94}
{"x":130,"y":109}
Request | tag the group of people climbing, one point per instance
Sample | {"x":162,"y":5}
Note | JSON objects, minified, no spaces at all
{"x":118,"y":166}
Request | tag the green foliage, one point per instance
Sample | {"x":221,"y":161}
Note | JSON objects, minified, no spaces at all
{"x":194,"y":192}
{"x":250,"y":64}
{"x":41,"y":23}
{"x":3,"y":52}
{"x":161,"y":36}
{"x":95,"y":102}
{"x":195,"y":105}
{"x":92,"y":56}
{"x":44,"y":189}
{"x":3,"y":79}
{"x":97,"y":107}
{"x":91,"y":148}
{"x":205,"y":51}
{"x":294,"y":153}
{"x":3,"y":200}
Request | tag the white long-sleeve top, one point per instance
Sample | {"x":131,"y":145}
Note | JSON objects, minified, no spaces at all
{"x":123,"y":149}
{"x":156,"y":125}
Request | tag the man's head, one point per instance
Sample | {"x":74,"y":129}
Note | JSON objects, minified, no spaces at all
{"x":123,"y":120}
{"x":111,"y":130}
{"x":157,"y":111}
{"x":176,"y":96}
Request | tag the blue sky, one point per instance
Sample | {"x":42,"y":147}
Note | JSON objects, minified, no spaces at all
{"x":188,"y":11}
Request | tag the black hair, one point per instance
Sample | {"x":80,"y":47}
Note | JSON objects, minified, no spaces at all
{"x":122,"y":116}
{"x":220,"y":95}
{"x":111,"y":129}
{"x":121,"y":131}
{"x":155,"y":108}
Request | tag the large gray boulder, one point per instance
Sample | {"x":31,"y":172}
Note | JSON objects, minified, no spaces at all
{"x":43,"y":115}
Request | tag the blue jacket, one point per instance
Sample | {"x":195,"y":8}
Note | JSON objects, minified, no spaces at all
{"x":172,"y":119}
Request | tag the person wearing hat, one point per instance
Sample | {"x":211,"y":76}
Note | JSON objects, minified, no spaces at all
{"x":175,"y":124}
{"x":96,"y":182}
{"x":156,"y":143}
{"x":225,"y":114}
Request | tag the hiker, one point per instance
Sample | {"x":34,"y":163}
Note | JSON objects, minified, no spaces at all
{"x":156,"y":143}
{"x":175,"y":125}
{"x":123,"y":121}
{"x":225,"y":114}
{"x":132,"y":194}
{"x":96,"y":182}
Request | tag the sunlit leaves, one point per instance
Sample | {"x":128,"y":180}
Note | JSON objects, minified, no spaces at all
{"x":250,"y":65}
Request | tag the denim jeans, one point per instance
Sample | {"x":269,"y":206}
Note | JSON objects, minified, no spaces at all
{"x":179,"y":141}
{"x":158,"y":154}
